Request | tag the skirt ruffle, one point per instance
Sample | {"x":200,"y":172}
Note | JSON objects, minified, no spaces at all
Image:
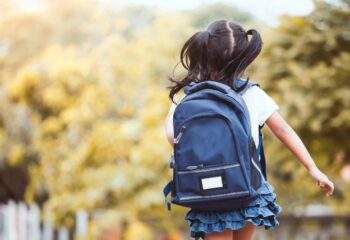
{"x":262,"y":212}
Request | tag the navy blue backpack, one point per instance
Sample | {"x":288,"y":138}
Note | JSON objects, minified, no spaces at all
{"x":215,"y":161}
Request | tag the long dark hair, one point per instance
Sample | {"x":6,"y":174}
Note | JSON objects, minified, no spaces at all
{"x":222,"y":48}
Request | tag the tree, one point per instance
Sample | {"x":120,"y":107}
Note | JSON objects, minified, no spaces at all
{"x":84,"y":109}
{"x":305,"y":67}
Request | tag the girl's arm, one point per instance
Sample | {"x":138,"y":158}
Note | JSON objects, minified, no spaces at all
{"x":288,"y":137}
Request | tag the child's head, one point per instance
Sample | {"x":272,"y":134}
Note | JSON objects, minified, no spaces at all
{"x":221,"y":53}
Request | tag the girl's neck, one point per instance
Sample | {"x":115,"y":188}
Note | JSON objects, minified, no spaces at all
{"x":212,"y":75}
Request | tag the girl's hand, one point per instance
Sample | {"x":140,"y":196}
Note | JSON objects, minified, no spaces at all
{"x":322,"y":180}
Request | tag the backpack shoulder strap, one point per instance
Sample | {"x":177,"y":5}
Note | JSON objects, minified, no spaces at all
{"x":260,"y":149}
{"x":168,"y":188}
{"x":240,"y":83}
{"x":261,"y":153}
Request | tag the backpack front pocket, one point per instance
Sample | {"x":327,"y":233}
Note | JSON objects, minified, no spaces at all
{"x":211,"y":182}
{"x":207,"y":139}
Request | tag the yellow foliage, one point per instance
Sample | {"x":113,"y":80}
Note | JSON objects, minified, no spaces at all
{"x":16,"y":154}
{"x":137,"y":230}
{"x":55,"y":98}
{"x":51,"y":125}
{"x":24,"y":85}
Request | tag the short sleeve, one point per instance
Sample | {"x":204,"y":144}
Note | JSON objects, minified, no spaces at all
{"x":265,"y":105}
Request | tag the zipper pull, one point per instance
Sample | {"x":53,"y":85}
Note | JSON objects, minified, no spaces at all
{"x":200,"y":166}
{"x":177,"y":139}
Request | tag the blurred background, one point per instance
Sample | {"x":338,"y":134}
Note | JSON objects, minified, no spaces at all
{"x":83,"y":99}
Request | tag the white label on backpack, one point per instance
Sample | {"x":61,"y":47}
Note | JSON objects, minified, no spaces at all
{"x":212,"y":182}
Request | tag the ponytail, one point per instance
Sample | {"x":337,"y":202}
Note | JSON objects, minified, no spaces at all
{"x":194,"y":58}
{"x":237,"y":65}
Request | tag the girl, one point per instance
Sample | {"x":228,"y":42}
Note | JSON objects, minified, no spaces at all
{"x":222,"y":53}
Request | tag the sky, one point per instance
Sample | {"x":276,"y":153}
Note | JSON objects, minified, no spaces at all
{"x":265,"y":10}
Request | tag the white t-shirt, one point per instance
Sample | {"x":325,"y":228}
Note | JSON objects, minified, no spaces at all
{"x":260,"y":106}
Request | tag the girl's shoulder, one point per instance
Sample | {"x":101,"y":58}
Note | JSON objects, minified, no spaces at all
{"x":260,"y":102}
{"x":257,"y":93}
{"x":252,"y":93}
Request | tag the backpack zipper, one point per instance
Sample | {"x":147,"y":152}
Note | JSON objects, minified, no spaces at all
{"x":195,"y":167}
{"x":257,"y":168}
{"x":214,"y":196}
{"x":200,"y":168}
{"x":178,"y":137}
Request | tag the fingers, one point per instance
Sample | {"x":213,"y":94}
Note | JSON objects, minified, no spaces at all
{"x":322,"y":181}
{"x":318,"y":183}
{"x":328,"y":185}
